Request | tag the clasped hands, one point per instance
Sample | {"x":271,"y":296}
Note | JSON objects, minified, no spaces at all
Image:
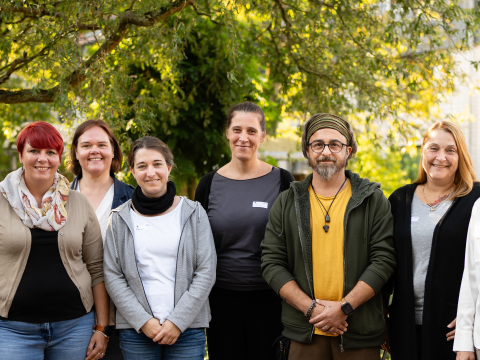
{"x":329,"y":317}
{"x":166,"y":334}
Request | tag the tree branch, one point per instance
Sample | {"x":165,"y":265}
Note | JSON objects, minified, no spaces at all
{"x":30,"y":95}
{"x":110,"y":43}
{"x":201,"y":13}
{"x":15,"y":65}
{"x":30,"y":11}
{"x":10,"y":71}
{"x":37,"y":13}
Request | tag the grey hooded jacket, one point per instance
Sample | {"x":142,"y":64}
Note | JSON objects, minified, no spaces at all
{"x":195,"y":276}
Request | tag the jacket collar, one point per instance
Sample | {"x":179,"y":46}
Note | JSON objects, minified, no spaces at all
{"x":120,"y":193}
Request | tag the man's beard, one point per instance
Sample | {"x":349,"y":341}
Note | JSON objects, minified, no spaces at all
{"x":326,"y":171}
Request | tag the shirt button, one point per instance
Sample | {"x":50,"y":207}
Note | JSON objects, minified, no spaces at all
{"x":61,"y":248}
{"x":84,"y":298}
{"x":61,"y":233}
{"x":65,"y":262}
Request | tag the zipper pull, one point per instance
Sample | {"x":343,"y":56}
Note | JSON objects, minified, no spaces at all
{"x":341,"y":344}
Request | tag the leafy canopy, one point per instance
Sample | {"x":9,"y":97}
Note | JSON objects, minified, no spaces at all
{"x":172,"y":68}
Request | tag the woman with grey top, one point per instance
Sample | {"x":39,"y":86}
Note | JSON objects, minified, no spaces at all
{"x":159,"y":263}
{"x":431,"y":218}
{"x":238,"y":198}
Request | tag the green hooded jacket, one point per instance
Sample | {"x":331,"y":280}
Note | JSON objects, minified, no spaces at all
{"x":368,"y":254}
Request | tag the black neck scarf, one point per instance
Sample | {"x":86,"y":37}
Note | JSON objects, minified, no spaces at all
{"x":153,"y":206}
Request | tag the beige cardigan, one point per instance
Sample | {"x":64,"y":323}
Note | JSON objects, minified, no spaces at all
{"x":79,"y":243}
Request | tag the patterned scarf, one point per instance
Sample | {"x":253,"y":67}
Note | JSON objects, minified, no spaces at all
{"x":51,"y":216}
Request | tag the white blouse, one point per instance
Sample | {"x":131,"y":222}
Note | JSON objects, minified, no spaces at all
{"x":467,"y":334}
{"x":103,"y":210}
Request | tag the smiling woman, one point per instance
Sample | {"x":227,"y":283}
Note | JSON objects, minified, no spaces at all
{"x":95,"y":157}
{"x":159,"y":262}
{"x":431,"y":222}
{"x":238,"y":198}
{"x":51,"y":258}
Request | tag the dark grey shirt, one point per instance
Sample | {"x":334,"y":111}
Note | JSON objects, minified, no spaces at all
{"x":238,"y":213}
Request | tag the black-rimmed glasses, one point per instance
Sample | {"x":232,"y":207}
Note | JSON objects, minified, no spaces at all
{"x":318,"y":146}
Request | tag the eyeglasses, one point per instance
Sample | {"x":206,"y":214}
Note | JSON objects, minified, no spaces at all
{"x":335,"y":146}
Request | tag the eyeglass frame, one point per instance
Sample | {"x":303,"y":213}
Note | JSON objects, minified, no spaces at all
{"x":327,"y":145}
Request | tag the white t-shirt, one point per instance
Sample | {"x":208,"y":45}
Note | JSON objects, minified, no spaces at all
{"x":156,"y":242}
{"x":103,"y":210}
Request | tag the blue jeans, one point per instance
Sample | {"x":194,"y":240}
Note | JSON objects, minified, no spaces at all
{"x":138,"y":346}
{"x":60,"y":340}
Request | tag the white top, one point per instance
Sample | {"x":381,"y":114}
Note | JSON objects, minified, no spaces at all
{"x":467,"y":333}
{"x":156,"y":242}
{"x":103,"y":210}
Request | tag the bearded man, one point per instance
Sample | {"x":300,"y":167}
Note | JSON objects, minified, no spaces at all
{"x":328,"y":251}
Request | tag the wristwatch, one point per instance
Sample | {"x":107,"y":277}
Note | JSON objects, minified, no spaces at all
{"x":346,"y":307}
{"x":107,"y":330}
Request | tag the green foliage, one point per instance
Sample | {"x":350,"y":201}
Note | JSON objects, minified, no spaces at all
{"x":271,"y":160}
{"x":156,"y":67}
{"x":391,"y":166}
{"x":193,"y":125}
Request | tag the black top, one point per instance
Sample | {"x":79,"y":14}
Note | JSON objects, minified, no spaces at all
{"x":46,"y":293}
{"x":238,"y":213}
{"x":442,"y":283}
{"x":203,"y":189}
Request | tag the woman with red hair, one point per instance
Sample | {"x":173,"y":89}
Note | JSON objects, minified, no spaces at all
{"x":51,"y":259}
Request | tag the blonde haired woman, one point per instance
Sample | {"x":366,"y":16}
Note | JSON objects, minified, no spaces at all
{"x":430,"y":230}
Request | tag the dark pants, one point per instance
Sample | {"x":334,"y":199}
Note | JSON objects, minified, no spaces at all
{"x":244,"y":324}
{"x":418,"y":334}
{"x":327,"y":348}
{"x":113,"y":349}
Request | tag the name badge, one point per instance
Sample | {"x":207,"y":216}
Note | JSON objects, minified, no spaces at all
{"x":142,"y":227}
{"x":260,"y":204}
{"x":415,"y":218}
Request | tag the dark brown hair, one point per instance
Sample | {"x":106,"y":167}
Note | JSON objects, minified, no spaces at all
{"x":248,"y":107}
{"x":352,"y":141}
{"x":74,"y":165}
{"x":150,"y":142}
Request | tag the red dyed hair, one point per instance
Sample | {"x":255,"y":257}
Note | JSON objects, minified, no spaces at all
{"x":40,"y":135}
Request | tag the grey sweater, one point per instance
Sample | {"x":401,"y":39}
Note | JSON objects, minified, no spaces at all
{"x":195,"y":275}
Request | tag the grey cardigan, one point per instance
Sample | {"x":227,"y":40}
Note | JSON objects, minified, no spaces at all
{"x":195,"y":276}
